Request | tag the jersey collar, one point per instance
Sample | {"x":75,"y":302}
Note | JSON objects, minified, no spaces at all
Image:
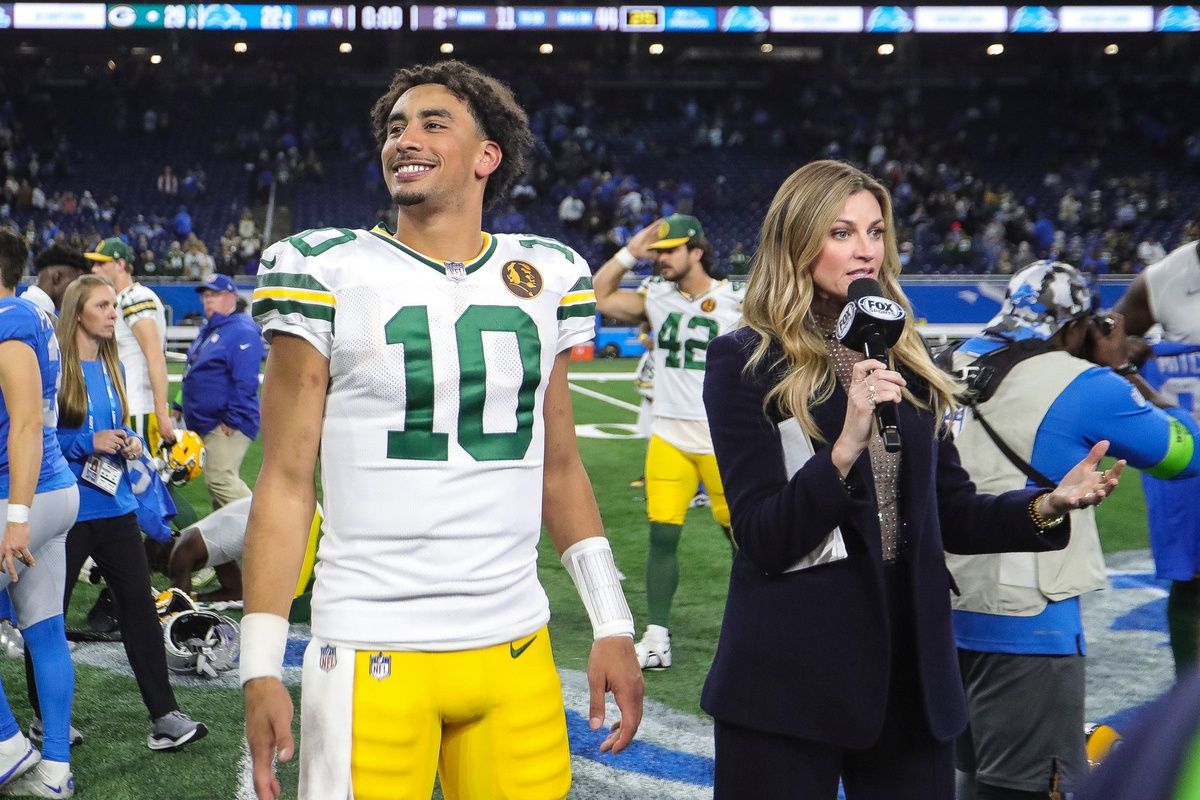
{"x":384,"y":233}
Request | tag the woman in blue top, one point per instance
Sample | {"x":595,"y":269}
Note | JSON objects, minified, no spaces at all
{"x":97,"y":443}
{"x":39,"y":501}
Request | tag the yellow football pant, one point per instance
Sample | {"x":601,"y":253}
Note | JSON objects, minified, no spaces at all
{"x":672,"y":477}
{"x":491,"y":721}
{"x":146,"y":426}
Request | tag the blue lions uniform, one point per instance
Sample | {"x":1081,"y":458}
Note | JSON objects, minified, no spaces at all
{"x":1174,"y":506}
{"x":22,"y":321}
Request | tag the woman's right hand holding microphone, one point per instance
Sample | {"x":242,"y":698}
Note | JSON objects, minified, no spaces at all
{"x":871,"y":383}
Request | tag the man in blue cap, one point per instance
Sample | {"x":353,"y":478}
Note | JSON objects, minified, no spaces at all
{"x":220,"y":388}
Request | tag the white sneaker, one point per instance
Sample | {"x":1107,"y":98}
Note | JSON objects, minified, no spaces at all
{"x":653,"y":653}
{"x":36,"y":783}
{"x":19,"y":762}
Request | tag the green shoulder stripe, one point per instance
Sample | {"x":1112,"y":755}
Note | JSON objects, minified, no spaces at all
{"x":292,"y":281}
{"x":310,"y":310}
{"x":577,"y":310}
{"x":1179,"y":452}
{"x":581,"y":284}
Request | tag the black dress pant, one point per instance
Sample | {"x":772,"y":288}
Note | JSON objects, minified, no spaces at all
{"x":905,"y":763}
{"x":115,"y":543}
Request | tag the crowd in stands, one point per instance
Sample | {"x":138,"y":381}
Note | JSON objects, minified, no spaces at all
{"x":987,"y":176}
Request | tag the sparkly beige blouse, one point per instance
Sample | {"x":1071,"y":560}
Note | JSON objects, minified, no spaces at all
{"x":884,"y":465}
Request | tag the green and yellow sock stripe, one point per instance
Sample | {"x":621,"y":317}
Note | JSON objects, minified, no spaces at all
{"x":579,"y":301}
{"x":288,"y":293}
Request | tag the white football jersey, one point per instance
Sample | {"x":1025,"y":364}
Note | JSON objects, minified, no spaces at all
{"x":135,"y":304}
{"x":432,"y":443}
{"x":1173,"y":286}
{"x":683,"y":327}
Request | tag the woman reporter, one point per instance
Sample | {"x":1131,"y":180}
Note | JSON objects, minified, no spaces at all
{"x":836,"y":658}
{"x":39,"y":501}
{"x":96,"y":441}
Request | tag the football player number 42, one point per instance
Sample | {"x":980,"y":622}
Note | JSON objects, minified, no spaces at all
{"x":686,"y":353}
{"x":418,"y":441}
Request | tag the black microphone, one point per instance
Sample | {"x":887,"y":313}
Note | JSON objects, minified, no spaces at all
{"x":871,"y":323}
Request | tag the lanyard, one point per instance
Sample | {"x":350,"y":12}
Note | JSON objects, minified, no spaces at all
{"x":112,"y":401}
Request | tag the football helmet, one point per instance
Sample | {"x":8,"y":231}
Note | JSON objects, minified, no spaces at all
{"x":173,"y":601}
{"x":184,"y":460}
{"x":200,"y":643}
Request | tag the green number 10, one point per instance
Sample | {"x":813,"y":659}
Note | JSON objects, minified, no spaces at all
{"x":418,"y":441}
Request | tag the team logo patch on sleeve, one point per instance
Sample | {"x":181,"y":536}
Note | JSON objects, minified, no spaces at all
{"x":328,"y":657}
{"x":381,"y":666}
{"x":522,"y":279}
{"x":708,"y":305}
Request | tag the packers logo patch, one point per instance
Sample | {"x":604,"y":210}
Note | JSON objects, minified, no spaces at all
{"x":664,"y":229}
{"x":522,"y":279}
{"x":708,"y":305}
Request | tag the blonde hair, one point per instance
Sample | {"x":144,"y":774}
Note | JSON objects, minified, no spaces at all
{"x":779,"y":296}
{"x":72,"y":391}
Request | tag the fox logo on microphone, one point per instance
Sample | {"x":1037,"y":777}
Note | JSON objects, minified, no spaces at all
{"x":877,"y":308}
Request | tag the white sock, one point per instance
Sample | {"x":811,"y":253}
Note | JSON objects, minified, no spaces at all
{"x":658,"y":633}
{"x":14,"y":744}
{"x":55,"y":771}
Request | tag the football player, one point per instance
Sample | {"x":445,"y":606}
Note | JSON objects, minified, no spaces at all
{"x":686,"y":308}
{"x":427,"y":361}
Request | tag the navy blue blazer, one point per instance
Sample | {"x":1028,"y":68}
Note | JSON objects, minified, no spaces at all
{"x":808,"y":653}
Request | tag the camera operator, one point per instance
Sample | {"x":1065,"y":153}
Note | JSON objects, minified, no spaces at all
{"x":1046,"y":380}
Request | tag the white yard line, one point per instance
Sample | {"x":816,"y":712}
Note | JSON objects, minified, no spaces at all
{"x":246,"y":781}
{"x":604,"y":398}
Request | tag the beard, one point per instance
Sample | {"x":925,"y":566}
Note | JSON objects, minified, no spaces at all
{"x":404,"y":197}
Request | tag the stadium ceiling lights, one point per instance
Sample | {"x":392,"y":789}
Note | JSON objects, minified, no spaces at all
{"x":156,"y":59}
{"x":345,"y":48}
{"x":656,"y":49}
{"x":886,"y":49}
{"x":446,"y":48}
{"x":995,"y":49}
{"x":240,"y":47}
{"x":766,"y":47}
{"x":1111,"y":49}
{"x":545,"y":48}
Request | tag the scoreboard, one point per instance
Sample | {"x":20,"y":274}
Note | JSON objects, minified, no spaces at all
{"x":624,"y":18}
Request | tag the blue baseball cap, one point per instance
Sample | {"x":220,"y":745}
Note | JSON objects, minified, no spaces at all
{"x":218,"y":283}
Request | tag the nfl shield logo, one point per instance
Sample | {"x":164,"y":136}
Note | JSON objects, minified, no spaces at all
{"x":381,"y":666}
{"x":455,"y":270}
{"x":328,"y":657}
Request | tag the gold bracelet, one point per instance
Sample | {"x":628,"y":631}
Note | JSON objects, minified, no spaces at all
{"x":1043,"y":523}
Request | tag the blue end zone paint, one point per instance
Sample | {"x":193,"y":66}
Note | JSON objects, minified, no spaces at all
{"x":1151,"y":616}
{"x":1138,"y":580}
{"x":293,"y":655}
{"x":640,"y":757}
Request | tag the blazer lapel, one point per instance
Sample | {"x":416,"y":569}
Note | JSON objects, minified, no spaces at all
{"x":830,"y":417}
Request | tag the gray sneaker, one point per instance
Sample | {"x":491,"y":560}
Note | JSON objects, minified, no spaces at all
{"x":37,"y":734}
{"x":174,"y":730}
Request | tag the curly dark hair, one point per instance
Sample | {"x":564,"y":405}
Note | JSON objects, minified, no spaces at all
{"x":14,"y":253}
{"x":61,"y":255}
{"x":492,"y":105}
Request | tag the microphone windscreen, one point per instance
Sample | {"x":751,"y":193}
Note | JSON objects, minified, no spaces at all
{"x":864,"y":287}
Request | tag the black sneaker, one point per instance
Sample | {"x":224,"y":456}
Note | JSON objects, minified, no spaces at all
{"x":174,"y":730}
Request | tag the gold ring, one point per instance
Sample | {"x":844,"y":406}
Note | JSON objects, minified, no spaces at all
{"x":1104,"y":475}
{"x":871,"y":394}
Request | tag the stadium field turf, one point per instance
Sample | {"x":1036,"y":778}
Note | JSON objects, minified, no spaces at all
{"x":114,"y":763}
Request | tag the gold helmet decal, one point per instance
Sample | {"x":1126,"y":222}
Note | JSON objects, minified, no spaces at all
{"x":522,"y":279}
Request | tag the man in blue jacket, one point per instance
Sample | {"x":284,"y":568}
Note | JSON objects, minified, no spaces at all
{"x":220,"y":388}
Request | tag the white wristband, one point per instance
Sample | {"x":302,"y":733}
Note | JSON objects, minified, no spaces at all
{"x":590,"y":565}
{"x":625,"y":258}
{"x":264,"y":639}
{"x":18,"y":513}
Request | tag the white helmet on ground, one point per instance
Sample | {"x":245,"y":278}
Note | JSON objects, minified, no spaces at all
{"x":200,"y":643}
